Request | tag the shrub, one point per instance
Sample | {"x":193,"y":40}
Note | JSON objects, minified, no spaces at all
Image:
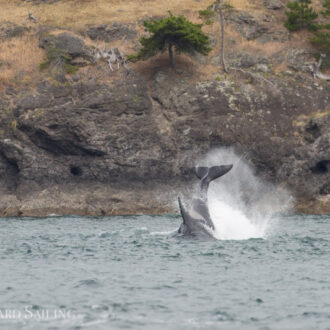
{"x":302,"y":15}
{"x":207,"y":15}
{"x":321,"y":38}
{"x":59,"y":60}
{"x":326,"y":6}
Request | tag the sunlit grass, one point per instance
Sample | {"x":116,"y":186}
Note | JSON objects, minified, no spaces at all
{"x":20,"y":58}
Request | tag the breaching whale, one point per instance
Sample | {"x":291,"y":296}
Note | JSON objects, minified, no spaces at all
{"x":197,"y":221}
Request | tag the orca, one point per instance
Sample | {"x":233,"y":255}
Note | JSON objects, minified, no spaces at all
{"x":197,"y":221}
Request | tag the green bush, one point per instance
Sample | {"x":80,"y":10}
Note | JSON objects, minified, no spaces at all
{"x":326,"y":6}
{"x":169,"y":33}
{"x":56,"y":58}
{"x":207,"y":15}
{"x":301,"y":15}
{"x":321,"y":38}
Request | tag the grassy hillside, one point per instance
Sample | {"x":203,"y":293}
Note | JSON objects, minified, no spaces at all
{"x":20,"y":57}
{"x":78,"y":13}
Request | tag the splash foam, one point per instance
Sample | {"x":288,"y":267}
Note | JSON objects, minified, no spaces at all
{"x":241,"y":205}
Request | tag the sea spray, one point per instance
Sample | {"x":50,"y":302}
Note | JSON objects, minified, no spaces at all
{"x":242,"y":205}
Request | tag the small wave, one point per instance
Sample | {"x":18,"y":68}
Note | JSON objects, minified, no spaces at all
{"x":241,"y":204}
{"x":142,"y":230}
{"x":161,"y":287}
{"x":164,"y":233}
{"x":223,"y":316}
{"x":91,"y":282}
{"x":106,"y":234}
{"x":308,"y":239}
{"x":172,"y":256}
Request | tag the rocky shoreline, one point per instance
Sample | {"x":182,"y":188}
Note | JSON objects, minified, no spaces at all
{"x":115,"y":138}
{"x":81,"y":144}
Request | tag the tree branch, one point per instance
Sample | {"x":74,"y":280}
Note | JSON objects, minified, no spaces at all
{"x":316,"y":69}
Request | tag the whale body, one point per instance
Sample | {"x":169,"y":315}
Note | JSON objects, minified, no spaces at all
{"x":197,"y":221}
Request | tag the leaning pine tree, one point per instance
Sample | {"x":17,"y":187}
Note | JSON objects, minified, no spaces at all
{"x":301,"y":15}
{"x":172,"y":33}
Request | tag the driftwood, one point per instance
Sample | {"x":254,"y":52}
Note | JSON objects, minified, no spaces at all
{"x":32,"y":18}
{"x":112,"y":56}
{"x":316,"y":70}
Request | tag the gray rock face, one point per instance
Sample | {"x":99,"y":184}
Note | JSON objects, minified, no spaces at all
{"x":8,"y":175}
{"x":111,"y":33}
{"x":92,"y":148}
{"x":244,"y":60}
{"x":67,"y":43}
{"x":300,"y":60}
{"x":248,"y":25}
{"x":308,"y":169}
{"x":259,"y":121}
{"x":262,"y":68}
{"x":109,"y":138}
{"x":273,"y":4}
{"x":257,"y":27}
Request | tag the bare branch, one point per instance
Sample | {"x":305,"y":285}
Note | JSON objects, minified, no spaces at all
{"x":112,"y":56}
{"x":316,"y":69}
{"x":31,"y":17}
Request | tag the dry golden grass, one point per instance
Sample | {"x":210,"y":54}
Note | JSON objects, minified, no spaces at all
{"x":23,"y":54}
{"x":79,"y":13}
{"x":302,"y":119}
{"x":247,"y":5}
{"x":20,"y":59}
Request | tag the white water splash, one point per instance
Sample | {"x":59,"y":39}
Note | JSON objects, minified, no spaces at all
{"x":241,"y":205}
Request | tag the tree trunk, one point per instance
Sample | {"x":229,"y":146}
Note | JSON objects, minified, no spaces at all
{"x":171,"y":55}
{"x":218,"y":7}
{"x":222,"y":38}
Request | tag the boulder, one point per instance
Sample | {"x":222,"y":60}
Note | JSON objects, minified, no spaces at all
{"x":67,"y":43}
{"x":262,"y":68}
{"x":273,"y":4}
{"x":248,"y":25}
{"x":112,"y":32}
{"x":300,"y":60}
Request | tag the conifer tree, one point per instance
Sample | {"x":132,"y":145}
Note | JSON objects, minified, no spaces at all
{"x":173,"y":33}
{"x":326,"y":6}
{"x":301,"y":15}
{"x":321,"y":38}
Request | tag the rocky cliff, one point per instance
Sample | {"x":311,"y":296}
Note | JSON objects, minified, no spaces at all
{"x":96,"y":142}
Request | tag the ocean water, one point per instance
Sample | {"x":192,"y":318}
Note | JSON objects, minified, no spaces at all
{"x":135,"y":273}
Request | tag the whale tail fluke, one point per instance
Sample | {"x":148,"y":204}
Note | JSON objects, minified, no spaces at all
{"x":211,"y":173}
{"x":197,"y":221}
